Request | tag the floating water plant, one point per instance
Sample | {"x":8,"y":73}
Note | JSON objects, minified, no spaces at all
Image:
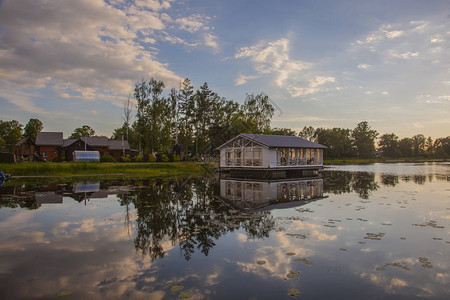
{"x":185,"y":295}
{"x":293,"y":292}
{"x":64,"y":293}
{"x":293,"y":274}
{"x":426,"y":263}
{"x":261,"y":262}
{"x":290,"y":253}
{"x":308,"y":262}
{"x":374,"y":236}
{"x":403,"y":266}
{"x":176,"y":288}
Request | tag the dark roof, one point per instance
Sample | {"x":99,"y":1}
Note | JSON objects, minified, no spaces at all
{"x":282,"y":141}
{"x":68,"y":142}
{"x":49,"y":139}
{"x":95,"y":141}
{"x":24,"y":140}
{"x":117,"y":145}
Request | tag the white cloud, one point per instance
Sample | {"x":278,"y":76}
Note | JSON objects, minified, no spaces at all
{"x":320,"y":80}
{"x":385,"y":93}
{"x":364,"y":66}
{"x":155,"y":5}
{"x":272,"y":58}
{"x":193,"y":23}
{"x":210,"y":41}
{"x":86,"y":49}
{"x":242,"y":79}
{"x":405,"y":55}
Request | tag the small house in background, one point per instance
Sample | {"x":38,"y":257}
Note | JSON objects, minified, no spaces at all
{"x":25,"y":148}
{"x":259,"y":153}
{"x":49,"y":144}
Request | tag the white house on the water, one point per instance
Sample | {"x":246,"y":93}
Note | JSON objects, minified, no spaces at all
{"x":253,"y":152}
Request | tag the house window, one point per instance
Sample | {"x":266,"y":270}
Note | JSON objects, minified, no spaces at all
{"x":229,"y":157}
{"x":44,"y":153}
{"x":237,"y":157}
{"x":292,"y":156}
{"x":282,"y":156}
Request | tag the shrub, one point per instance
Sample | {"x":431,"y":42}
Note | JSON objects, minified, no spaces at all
{"x":55,"y":159}
{"x":176,"y":157}
{"x":107,"y":158}
{"x":151,"y":158}
{"x":139,"y":158}
{"x":125,"y":158}
{"x":164,"y":158}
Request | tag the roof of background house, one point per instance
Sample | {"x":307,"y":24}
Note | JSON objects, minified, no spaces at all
{"x":68,"y":142}
{"x":23,"y":140}
{"x":117,"y":145}
{"x":49,"y":139}
{"x":280,"y":141}
{"x":96,"y":141}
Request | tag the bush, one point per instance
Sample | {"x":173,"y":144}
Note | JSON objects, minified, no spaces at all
{"x":164,"y":158}
{"x":151,"y":158}
{"x":139,"y":158}
{"x":176,"y":158}
{"x":55,"y":159}
{"x":125,"y":158}
{"x":107,"y":158}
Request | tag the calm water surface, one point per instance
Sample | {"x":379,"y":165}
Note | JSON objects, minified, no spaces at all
{"x":378,"y":231}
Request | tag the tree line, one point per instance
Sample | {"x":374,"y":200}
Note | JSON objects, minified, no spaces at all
{"x":199,"y":120}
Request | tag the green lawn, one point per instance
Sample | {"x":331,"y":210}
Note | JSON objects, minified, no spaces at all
{"x":79,"y":169}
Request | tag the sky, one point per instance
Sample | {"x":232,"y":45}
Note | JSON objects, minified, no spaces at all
{"x":322,"y":63}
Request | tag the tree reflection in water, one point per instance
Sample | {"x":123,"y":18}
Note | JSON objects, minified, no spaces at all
{"x":191,"y":215}
{"x":362,"y":183}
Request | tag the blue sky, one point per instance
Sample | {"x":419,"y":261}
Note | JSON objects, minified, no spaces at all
{"x":322,"y":63}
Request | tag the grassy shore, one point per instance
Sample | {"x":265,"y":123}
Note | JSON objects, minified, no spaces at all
{"x":354,"y":161}
{"x":107,"y":169}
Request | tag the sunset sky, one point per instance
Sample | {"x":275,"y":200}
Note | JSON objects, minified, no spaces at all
{"x":322,"y":63}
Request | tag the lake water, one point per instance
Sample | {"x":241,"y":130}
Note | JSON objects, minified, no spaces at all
{"x":378,"y":231}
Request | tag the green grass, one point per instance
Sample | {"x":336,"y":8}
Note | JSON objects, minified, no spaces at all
{"x":82,"y":169}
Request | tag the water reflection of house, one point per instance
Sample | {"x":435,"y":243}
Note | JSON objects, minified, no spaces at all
{"x":48,"y":197}
{"x":252,"y":194}
{"x":281,"y":155}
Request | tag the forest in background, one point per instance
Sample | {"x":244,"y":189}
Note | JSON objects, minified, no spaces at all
{"x":201,"y":120}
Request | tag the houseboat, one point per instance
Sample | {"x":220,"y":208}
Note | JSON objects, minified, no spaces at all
{"x":271,"y":156}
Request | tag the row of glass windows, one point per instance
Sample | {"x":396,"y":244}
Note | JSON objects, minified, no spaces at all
{"x":293,"y":156}
{"x":243,"y":157}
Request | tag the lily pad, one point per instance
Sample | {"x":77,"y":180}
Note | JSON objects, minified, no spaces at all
{"x":343,"y":249}
{"x":176,"y":288}
{"x":293,"y":274}
{"x":185,"y":295}
{"x":64,"y":293}
{"x":112,"y":250}
{"x":308,"y":262}
{"x":293,"y":292}
{"x":290,"y":253}
{"x":261,"y":262}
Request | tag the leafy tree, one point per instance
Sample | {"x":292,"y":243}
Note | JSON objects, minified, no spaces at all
{"x":308,"y":133}
{"x":10,"y":134}
{"x":418,"y":144}
{"x":337,"y":140}
{"x":32,"y":128}
{"x":442,"y":147}
{"x":282,"y":131}
{"x":388,"y":143}
{"x":152,"y":111}
{"x":259,"y":111}
{"x":84,"y":130}
{"x":187,"y":110}
{"x":204,"y":115}
{"x":364,"y":138}
{"x":405,"y":147}
{"x":429,"y":146}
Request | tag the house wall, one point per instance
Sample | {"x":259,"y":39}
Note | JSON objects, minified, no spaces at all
{"x":51,"y":152}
